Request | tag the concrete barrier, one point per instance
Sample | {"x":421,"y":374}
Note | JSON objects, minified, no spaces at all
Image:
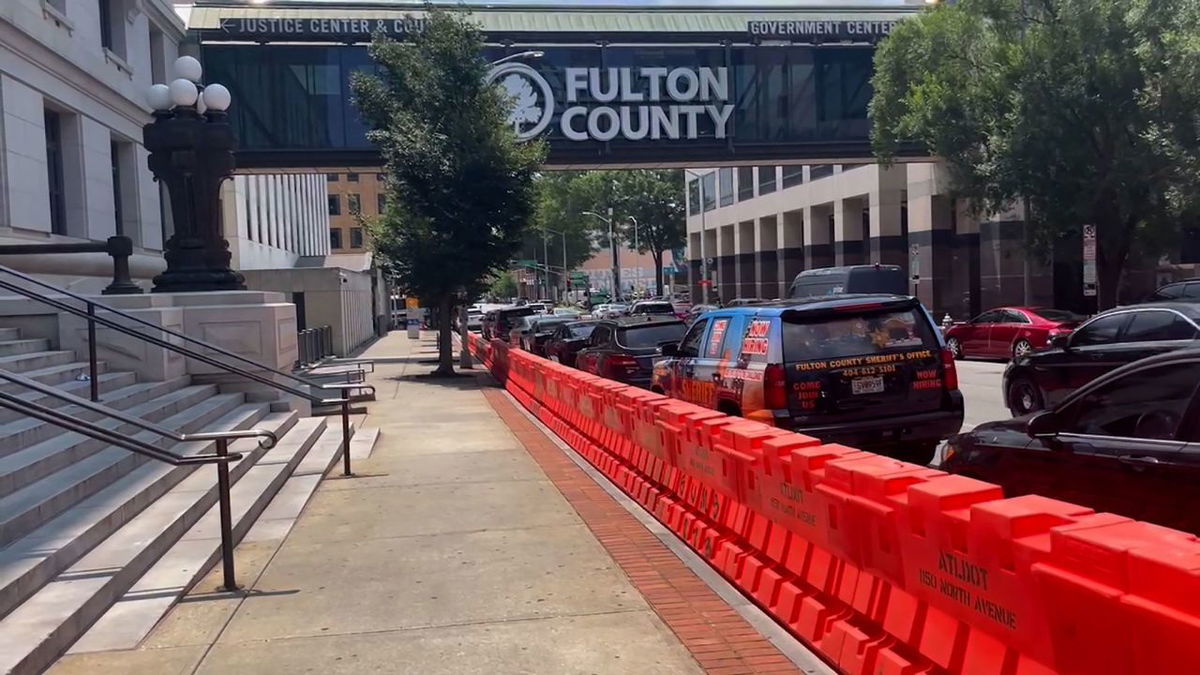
{"x":882,"y":567}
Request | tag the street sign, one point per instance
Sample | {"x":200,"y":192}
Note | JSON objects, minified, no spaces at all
{"x":914,"y":262}
{"x":412,"y":317}
{"x":1089,"y":260}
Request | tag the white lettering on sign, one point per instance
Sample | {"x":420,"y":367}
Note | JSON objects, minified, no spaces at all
{"x":676,"y":103}
{"x":834,"y":29}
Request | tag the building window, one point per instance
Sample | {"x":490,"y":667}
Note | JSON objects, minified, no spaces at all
{"x":331,"y":177}
{"x":335,"y":205}
{"x":381,"y":177}
{"x":352,"y":177}
{"x":745,"y":179}
{"x":115,"y":152}
{"x":766,"y":180}
{"x":354,"y":203}
{"x":356,"y":237}
{"x":693,"y":196}
{"x":793,"y":175}
{"x":158,"y":55}
{"x":54,"y":167}
{"x":709,"y":188}
{"x":112,"y":26}
{"x":335,"y":238}
{"x":381,"y":203}
{"x":726,"y":182}
{"x":819,"y":171}
{"x":60,"y":5}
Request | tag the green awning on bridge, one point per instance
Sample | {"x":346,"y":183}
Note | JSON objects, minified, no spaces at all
{"x":741,"y":24}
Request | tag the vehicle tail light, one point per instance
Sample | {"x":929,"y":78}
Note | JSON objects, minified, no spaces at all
{"x":950,"y":374}
{"x":775,"y":387}
{"x":620,"y":364}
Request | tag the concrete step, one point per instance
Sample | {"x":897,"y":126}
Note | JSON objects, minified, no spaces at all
{"x":21,"y":363}
{"x":46,"y":624}
{"x":55,"y":374}
{"x":30,"y":562}
{"x":154,"y":410}
{"x":14,"y":347}
{"x":26,"y":431}
{"x":10,"y":333}
{"x":109,"y":382}
{"x":278,"y":485}
{"x":33,"y":504}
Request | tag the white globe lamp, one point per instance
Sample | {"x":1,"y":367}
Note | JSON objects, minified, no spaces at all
{"x":188,"y":68}
{"x":183,"y":92}
{"x":159,"y":97}
{"x":217,"y":97}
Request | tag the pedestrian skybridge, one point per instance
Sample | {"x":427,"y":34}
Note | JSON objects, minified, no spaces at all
{"x":607,"y":86}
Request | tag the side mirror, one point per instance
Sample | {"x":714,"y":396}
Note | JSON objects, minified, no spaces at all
{"x":1060,"y":342}
{"x":670,"y":349}
{"x":1043,"y":424}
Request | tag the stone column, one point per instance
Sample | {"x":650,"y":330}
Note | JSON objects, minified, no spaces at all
{"x":848,"y":232}
{"x":818,"y":236}
{"x":747,"y":259}
{"x":889,"y":246}
{"x":768,"y":257}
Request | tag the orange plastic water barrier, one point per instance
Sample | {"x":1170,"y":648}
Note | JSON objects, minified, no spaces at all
{"x":880,"y":566}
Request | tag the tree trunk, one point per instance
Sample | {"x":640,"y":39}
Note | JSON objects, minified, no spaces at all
{"x":658,"y":265}
{"x":445,"y":306}
{"x":1108,"y":282}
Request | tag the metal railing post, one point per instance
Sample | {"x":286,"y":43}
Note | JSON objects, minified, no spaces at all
{"x":94,"y":385}
{"x":346,"y":435}
{"x":226,"y":515}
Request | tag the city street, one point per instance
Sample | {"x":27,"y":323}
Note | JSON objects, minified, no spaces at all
{"x":979,"y":382}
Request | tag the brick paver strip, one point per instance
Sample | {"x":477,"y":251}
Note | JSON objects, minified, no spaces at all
{"x":720,"y":640}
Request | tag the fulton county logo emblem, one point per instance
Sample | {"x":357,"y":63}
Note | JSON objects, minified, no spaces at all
{"x":529,"y":95}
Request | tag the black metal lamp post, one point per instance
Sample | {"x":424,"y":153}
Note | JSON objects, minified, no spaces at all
{"x":191,"y":151}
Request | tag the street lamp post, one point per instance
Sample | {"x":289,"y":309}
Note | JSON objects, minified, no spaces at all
{"x":562,"y":234}
{"x":703,"y":256}
{"x":612,"y":241}
{"x":191,"y":150}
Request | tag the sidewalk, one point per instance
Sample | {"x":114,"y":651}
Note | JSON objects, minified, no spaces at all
{"x":466,"y":543}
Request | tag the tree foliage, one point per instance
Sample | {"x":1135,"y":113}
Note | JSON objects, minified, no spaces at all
{"x":460,"y":186}
{"x":1086,"y":108}
{"x":652,"y":198}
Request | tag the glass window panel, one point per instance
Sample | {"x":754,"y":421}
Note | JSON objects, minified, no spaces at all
{"x":745,"y":179}
{"x":710,"y":190}
{"x":726,"y":180}
{"x":766,"y":180}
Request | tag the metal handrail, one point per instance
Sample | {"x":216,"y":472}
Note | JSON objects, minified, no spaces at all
{"x":90,"y":315}
{"x":221,"y":458}
{"x":57,"y":418}
{"x":268,"y":439}
{"x":221,"y":351}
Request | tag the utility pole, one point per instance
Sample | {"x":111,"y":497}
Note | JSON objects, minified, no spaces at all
{"x":616,"y":260}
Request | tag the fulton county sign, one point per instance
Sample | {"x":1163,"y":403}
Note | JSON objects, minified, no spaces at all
{"x":602,"y":104}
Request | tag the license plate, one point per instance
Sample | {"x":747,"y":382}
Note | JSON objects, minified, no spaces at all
{"x":866,"y":385}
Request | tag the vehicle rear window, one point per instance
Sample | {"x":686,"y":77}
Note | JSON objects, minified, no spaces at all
{"x":856,"y":335}
{"x":1059,"y":315}
{"x":655,"y":308}
{"x":642,"y":337}
{"x":548,"y":325}
{"x":582,"y":331}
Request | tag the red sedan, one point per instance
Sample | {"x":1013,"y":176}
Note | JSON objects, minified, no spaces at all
{"x":1009,"y":332}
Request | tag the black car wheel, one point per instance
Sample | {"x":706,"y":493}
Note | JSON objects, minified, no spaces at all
{"x":955,"y":347}
{"x":1024,"y":397}
{"x":1021,"y":348}
{"x":916,"y":452}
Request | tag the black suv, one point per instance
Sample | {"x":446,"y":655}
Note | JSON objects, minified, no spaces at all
{"x":1187,"y":290}
{"x":626,"y":349}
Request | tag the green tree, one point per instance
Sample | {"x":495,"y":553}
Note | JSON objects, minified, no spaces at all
{"x":503,"y":286}
{"x":1083,"y":109}
{"x":558,"y":211}
{"x":460,"y":186}
{"x":653,"y":199}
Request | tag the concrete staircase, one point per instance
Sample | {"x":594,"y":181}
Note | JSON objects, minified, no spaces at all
{"x":84,"y":524}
